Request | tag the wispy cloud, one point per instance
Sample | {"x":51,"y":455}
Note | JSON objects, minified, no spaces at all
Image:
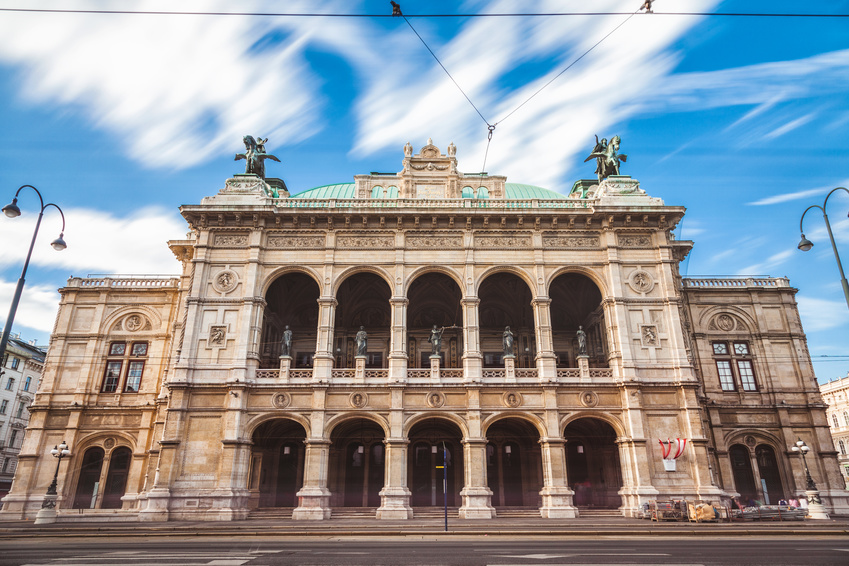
{"x":768,"y":265}
{"x":786,"y":197}
{"x":789,"y":126}
{"x":100,"y":242}
{"x":37,"y":309}
{"x":821,"y":314}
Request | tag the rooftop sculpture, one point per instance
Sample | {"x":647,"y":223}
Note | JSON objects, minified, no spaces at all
{"x":255,"y":156}
{"x":607,"y":157}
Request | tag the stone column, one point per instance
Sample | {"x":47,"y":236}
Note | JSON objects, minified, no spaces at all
{"x":323,"y":359}
{"x":314,"y":497}
{"x":472,"y":357}
{"x":476,"y":495}
{"x":398,"y":341}
{"x":634,"y":459}
{"x":395,"y":495}
{"x":546,"y":359}
{"x":557,"y":496}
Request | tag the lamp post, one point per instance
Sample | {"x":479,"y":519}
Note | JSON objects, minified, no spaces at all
{"x":12,"y":211}
{"x":816,"y":510}
{"x":47,"y":513}
{"x":805,"y":244}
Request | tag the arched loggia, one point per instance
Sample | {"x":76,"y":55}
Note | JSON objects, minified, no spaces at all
{"x":434,"y":300}
{"x":576,"y":302}
{"x":505,"y":300}
{"x":277,"y":463}
{"x":363,"y":304}
{"x":291,"y":300}
{"x":592,"y":463}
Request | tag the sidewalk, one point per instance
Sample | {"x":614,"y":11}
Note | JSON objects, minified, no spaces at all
{"x":427,"y":527}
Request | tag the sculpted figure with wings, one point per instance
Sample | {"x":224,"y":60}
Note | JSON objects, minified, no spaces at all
{"x":607,"y":157}
{"x":255,"y":156}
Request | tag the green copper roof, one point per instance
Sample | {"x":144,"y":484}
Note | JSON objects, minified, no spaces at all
{"x":515,"y":191}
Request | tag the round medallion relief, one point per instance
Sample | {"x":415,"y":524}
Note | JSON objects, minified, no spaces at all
{"x":358,"y":399}
{"x":589,"y":399}
{"x":134,"y":323}
{"x":435,"y":399}
{"x":641,"y":281}
{"x":109,"y":443}
{"x":750,"y":441}
{"x":512,"y":399}
{"x":725,"y":322}
{"x":281,"y":400}
{"x":225,"y":281}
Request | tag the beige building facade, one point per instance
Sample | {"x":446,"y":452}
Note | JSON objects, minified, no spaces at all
{"x":835,"y":393}
{"x":361,"y":345}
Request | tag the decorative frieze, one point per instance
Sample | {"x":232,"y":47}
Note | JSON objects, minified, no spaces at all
{"x":570,"y":242}
{"x":434,"y":241}
{"x":503,"y":242}
{"x":365,"y":242}
{"x":634,"y":240}
{"x":295,"y":242}
{"x":230,"y":241}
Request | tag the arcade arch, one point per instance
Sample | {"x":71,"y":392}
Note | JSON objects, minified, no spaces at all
{"x":291,"y":300}
{"x":514,"y":463}
{"x":363,"y":303}
{"x":593,"y":468}
{"x":357,"y":463}
{"x":435,"y":442}
{"x":505,"y":300}
{"x":277,"y":463}
{"x":576,"y":302}
{"x":434,"y":300}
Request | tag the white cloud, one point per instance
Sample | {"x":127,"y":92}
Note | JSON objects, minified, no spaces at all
{"x":37,"y":309}
{"x":821,"y":314}
{"x":765,"y":267}
{"x":788,"y":197}
{"x":789,"y":126}
{"x":98,"y":242}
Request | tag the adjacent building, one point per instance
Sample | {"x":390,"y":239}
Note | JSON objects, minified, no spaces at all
{"x":345,"y":346}
{"x":20,"y":374}
{"x":835,"y":393}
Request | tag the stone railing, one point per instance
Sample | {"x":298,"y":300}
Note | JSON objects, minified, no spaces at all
{"x":418,"y":374}
{"x":601,"y":373}
{"x":734,"y":282}
{"x":465,"y":203}
{"x":123,"y":282}
{"x":568,"y":373}
{"x":451,"y":373}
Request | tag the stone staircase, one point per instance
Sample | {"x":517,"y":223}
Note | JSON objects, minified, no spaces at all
{"x":597,"y":512}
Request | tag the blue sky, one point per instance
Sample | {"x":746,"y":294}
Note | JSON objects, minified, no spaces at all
{"x":120,"y":119}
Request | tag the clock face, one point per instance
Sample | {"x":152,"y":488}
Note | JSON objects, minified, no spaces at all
{"x":430,"y":191}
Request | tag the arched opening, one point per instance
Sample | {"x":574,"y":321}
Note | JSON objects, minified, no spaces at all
{"x":291,"y":300}
{"x":592,"y":463}
{"x":89,"y":477}
{"x":506,"y":301}
{"x":363,"y":303}
{"x":768,"y":469}
{"x":514,"y":464}
{"x":277,"y":463}
{"x":116,"y":478}
{"x":434,"y":458}
{"x":434,"y":300}
{"x":357,"y":464}
{"x":741,"y":467}
{"x":576,"y":303}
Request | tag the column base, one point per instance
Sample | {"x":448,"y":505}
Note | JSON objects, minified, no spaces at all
{"x":477,"y":503}
{"x":557,"y":503}
{"x":47,"y":513}
{"x":157,"y":505}
{"x":815,"y":510}
{"x":313,"y":505}
{"x":395,"y":504}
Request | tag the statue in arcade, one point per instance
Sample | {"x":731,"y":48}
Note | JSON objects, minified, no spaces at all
{"x":507,"y":342}
{"x":286,"y":344}
{"x":607,"y":157}
{"x":435,"y":340}
{"x":582,"y":341}
{"x":255,"y":156}
{"x":361,"y":341}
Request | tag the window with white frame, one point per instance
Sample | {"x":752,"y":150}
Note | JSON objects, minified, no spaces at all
{"x":15,"y":362}
{"x":735,"y":366}
{"x":27,"y":383}
{"x":4,"y":404}
{"x":10,"y":384}
{"x":834,"y":420}
{"x":124,"y":367}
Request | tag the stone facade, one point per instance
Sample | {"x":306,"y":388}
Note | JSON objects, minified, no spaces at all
{"x":835,"y":393}
{"x":570,"y":351}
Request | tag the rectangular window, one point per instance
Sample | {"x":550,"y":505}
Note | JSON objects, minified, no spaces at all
{"x":27,"y":383}
{"x":13,"y":439}
{"x":6,"y":465}
{"x":747,"y":375}
{"x":134,"y":375}
{"x":111,"y":377}
{"x":4,"y":404}
{"x":726,"y":378}
{"x":117,"y":348}
{"x":139,"y":349}
{"x":10,"y":384}
{"x":20,"y":413}
{"x":15,"y":363}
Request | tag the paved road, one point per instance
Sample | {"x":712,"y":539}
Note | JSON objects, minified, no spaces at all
{"x":426,"y":551}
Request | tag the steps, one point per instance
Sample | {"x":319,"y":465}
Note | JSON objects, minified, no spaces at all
{"x":597,"y":512}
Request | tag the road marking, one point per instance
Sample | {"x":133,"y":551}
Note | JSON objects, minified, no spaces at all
{"x":539,"y":556}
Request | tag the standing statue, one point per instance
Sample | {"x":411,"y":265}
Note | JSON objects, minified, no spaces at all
{"x":582,"y":341}
{"x":507,"y":342}
{"x":286,"y":344}
{"x":607,"y":157}
{"x":255,"y":156}
{"x":436,"y":340}
{"x":362,"y":342}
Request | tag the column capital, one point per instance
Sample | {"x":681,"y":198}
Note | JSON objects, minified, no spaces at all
{"x":400,"y":300}
{"x":541,"y":300}
{"x":327,"y":301}
{"x":470,"y":301}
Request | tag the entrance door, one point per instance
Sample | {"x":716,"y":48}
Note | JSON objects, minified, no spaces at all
{"x":514,"y":463}
{"x":431,"y":464}
{"x":768,"y":468}
{"x":89,"y":475}
{"x":592,"y":463}
{"x":116,"y":478}
{"x":277,"y":463}
{"x":741,"y":467}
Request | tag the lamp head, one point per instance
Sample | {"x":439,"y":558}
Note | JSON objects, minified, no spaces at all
{"x":805,"y":244}
{"x":800,"y":442}
{"x":55,"y":451}
{"x":11,"y":210}
{"x":59,"y":243}
{"x":794,"y":448}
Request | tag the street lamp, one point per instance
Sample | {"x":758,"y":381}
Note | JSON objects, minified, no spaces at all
{"x":12,"y":211}
{"x":47,"y":513}
{"x":805,"y":244}
{"x":816,"y":510}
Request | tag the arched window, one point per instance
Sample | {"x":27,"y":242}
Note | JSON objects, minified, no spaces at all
{"x":88,"y":478}
{"x":116,"y":478}
{"x":842,"y":447}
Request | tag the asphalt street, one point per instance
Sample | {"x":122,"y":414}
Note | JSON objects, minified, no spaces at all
{"x":424,"y":551}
